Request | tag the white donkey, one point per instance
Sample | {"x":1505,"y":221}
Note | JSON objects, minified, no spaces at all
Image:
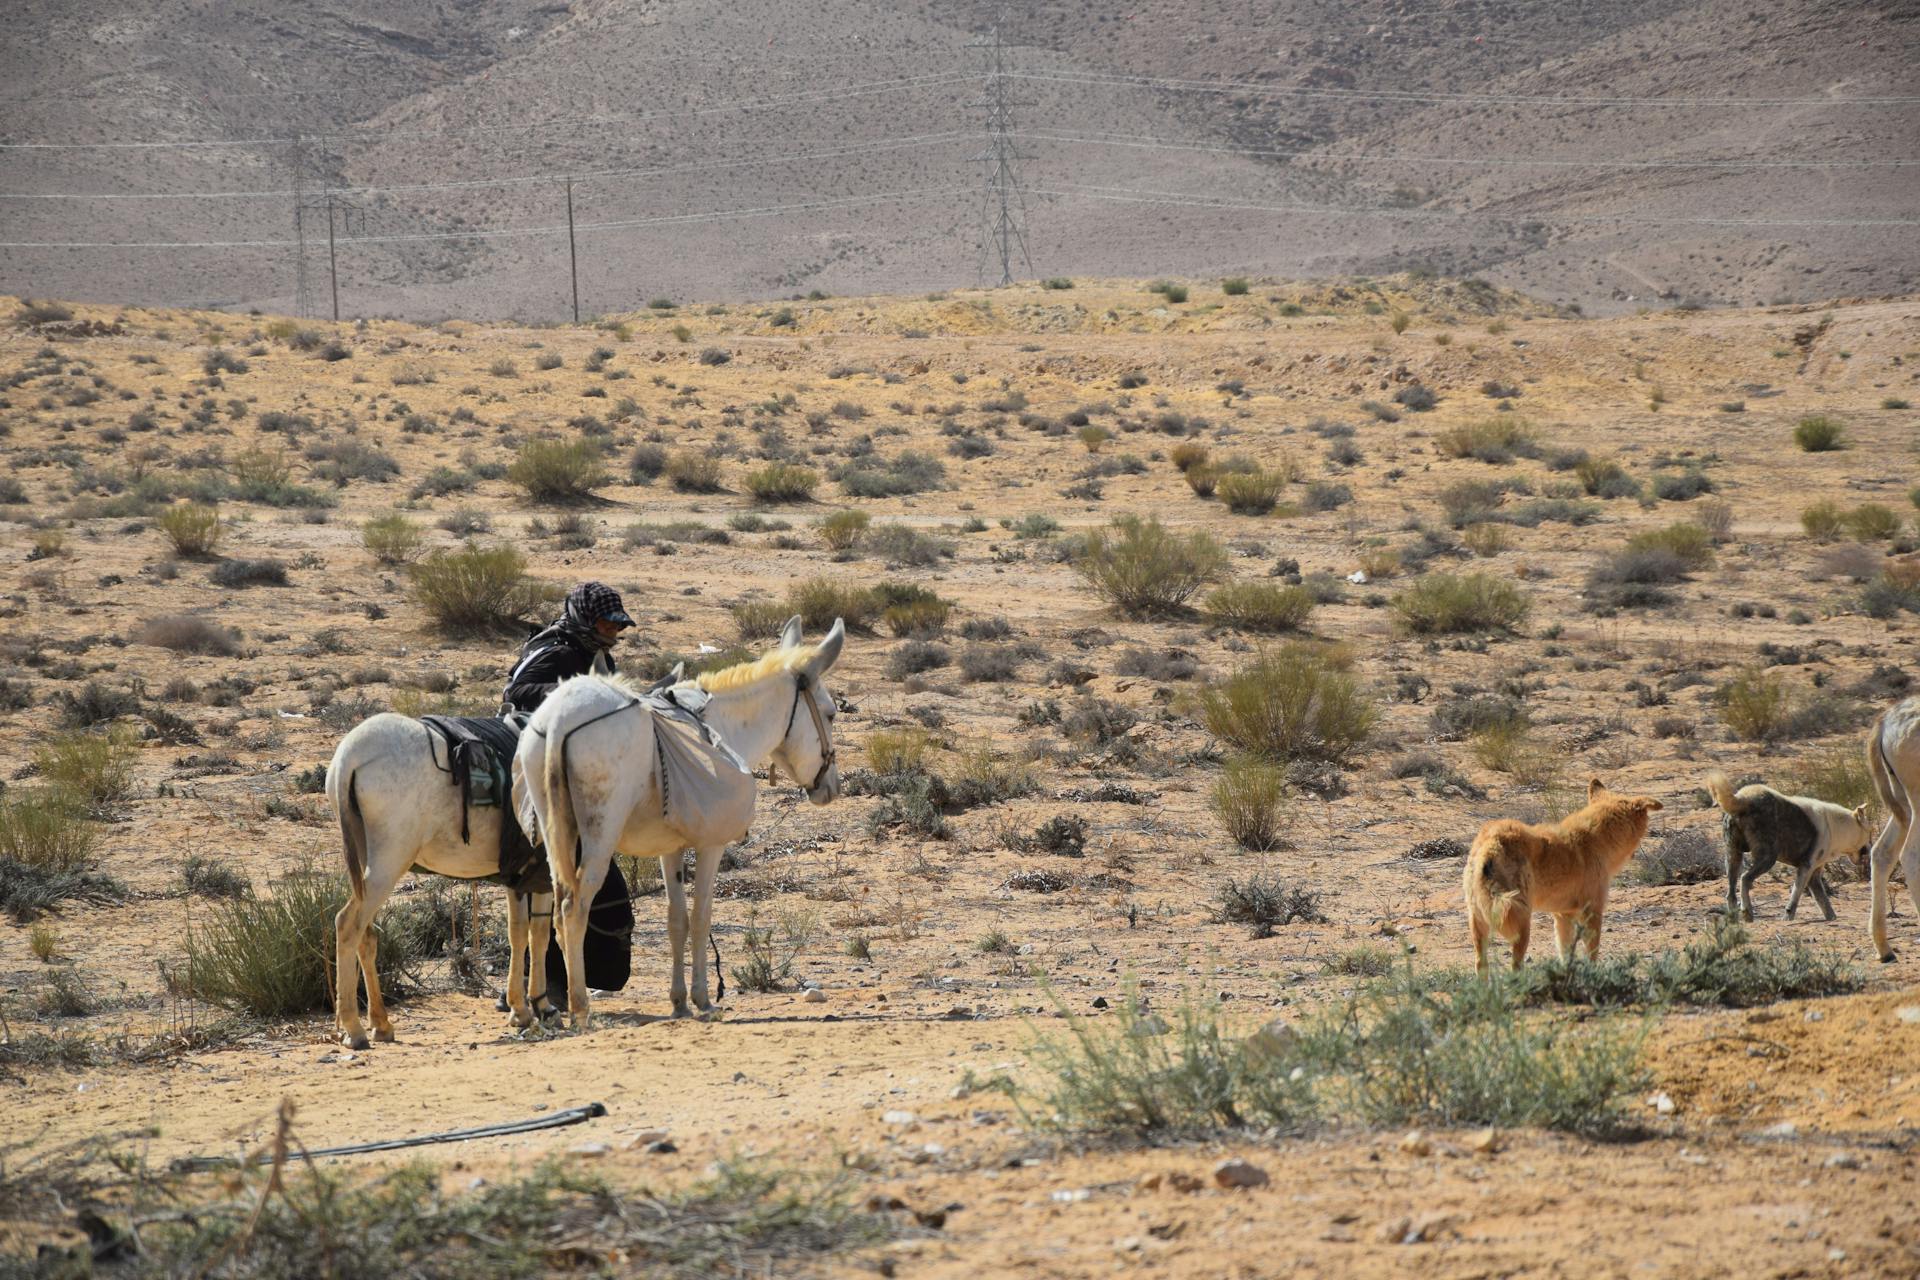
{"x":592,"y":777}
{"x":1893,"y":757}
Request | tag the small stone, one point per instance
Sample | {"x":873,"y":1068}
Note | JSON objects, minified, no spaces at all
{"x":1814,"y":1015}
{"x":1661,"y":1102}
{"x":1151,"y":1182}
{"x":959,"y":1013}
{"x":1184,"y":1182}
{"x":645,"y":1138}
{"x":1485,"y":1142}
{"x":590,"y":1150}
{"x":1416,"y":1143}
{"x":1836,"y":1255}
{"x":1151,"y":1025}
{"x":1100,"y":1002}
{"x":901,"y":1118}
{"x":1909,"y":1013}
{"x":1075,"y":1196}
{"x":664,"y":1147}
{"x":1844,"y":1160}
{"x":1238,"y":1173}
{"x":813,"y":995}
{"x":1785,"y":1129}
{"x":811,"y":984}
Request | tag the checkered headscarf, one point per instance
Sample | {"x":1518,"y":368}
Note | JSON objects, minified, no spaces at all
{"x":591,"y":602}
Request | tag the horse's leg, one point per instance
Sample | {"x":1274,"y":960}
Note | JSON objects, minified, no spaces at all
{"x":376,"y":1003}
{"x":593,"y":874}
{"x":706,"y":868}
{"x":517,"y":908}
{"x":1880,"y":859}
{"x":676,"y":930}
{"x":353,"y":947}
{"x":540,"y":926}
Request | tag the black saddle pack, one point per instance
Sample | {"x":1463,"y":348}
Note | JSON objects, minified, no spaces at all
{"x":480,"y":761}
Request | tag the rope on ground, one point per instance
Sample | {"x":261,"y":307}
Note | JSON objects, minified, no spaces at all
{"x":559,"y":1119}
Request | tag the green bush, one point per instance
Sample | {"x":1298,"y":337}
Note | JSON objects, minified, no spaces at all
{"x":559,"y":471}
{"x":692,"y":472}
{"x":1605,"y":478}
{"x":1189,"y":454}
{"x":1684,"y":540}
{"x":1823,"y":520}
{"x":1496,"y":440}
{"x":841,"y":530}
{"x":1297,"y":701}
{"x":782,"y":482}
{"x":94,"y":768}
{"x":1723,"y":968}
{"x":1838,"y":775}
{"x":1203,"y":478}
{"x":1144,"y":569}
{"x":1872,"y":522}
{"x":1756,"y":705}
{"x":46,"y":829}
{"x":1441,"y":603}
{"x":1234,"y":286}
{"x":1250,"y":799}
{"x":392,"y":539}
{"x":1818,"y":433}
{"x":1259,"y":606}
{"x":1249,"y":493}
{"x":475,"y":588}
{"x":192,"y":527}
{"x":819,"y":601}
{"x":908,"y":472}
{"x":272,"y":956}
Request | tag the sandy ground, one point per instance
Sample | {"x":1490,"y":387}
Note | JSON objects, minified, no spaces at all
{"x":1717,"y":1186}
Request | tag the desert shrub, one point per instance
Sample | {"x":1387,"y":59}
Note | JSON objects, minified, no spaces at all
{"x":1512,"y":749}
{"x":1756,"y":705}
{"x":842,"y":530}
{"x":46,"y":829}
{"x":988,"y":664}
{"x":1299,"y":701}
{"x":1722,"y":968}
{"x":983,"y":776}
{"x":1443,"y":603}
{"x":1819,"y":433}
{"x":475,"y":587}
{"x":1189,"y":454}
{"x":902,"y":544}
{"x":188,"y":633}
{"x":782,"y":482}
{"x":1823,"y":520}
{"x":914,"y":657}
{"x":648,"y":461}
{"x":33,"y":313}
{"x":192,"y":527}
{"x":249,"y":573}
{"x":1251,"y":493}
{"x":1685,"y":541}
{"x":1716,"y":517}
{"x":1250,"y":800}
{"x":1416,"y":398}
{"x":340,"y":461}
{"x":94,"y":703}
{"x":1203,"y":478}
{"x":271,"y":956}
{"x":1837,"y":774}
{"x":1681,"y":486}
{"x":392,"y":538}
{"x":1471,"y":501}
{"x":206,"y":877}
{"x":1259,"y":606}
{"x":558,"y":471}
{"x":1486,"y":539}
{"x":899,"y":751}
{"x":1494,"y":440}
{"x":1143,"y":569}
{"x":692,"y":472}
{"x":1871,"y":522}
{"x":1476,"y":713}
{"x":1234,"y":286}
{"x":1606,"y":478}
{"x":93,"y":768}
{"x":1156,"y":664}
{"x":908,"y":472}
{"x":1679,"y":857}
{"x":1264,"y":903}
{"x":819,"y":601}
{"x":1324,"y":495}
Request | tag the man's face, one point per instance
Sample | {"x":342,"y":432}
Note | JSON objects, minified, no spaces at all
{"x":608,"y":629}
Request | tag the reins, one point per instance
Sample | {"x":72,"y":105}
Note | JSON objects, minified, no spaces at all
{"x":803,"y":687}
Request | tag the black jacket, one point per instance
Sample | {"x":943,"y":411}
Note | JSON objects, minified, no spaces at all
{"x":555,"y":654}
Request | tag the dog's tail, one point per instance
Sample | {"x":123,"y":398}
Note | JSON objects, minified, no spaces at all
{"x":1720,"y":787}
{"x":1487,"y":887}
{"x":1891,"y":794}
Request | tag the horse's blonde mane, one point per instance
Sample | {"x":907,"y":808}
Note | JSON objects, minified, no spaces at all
{"x":776,"y":662}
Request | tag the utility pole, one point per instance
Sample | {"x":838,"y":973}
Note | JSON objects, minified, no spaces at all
{"x":299,"y":226}
{"x":573,"y":256}
{"x":333,"y":264}
{"x":1003,"y":207}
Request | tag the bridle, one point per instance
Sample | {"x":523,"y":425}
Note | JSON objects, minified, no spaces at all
{"x":804,"y":687}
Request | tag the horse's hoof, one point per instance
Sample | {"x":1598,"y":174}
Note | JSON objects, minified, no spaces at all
{"x":1888,"y":958}
{"x":355,"y":1042}
{"x":383,"y":1035}
{"x":521,"y":1021}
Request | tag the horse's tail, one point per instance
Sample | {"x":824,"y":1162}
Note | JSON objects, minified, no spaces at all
{"x":561,"y":834}
{"x":353,"y":824}
{"x":1891,"y":793}
{"x":1721,"y":789}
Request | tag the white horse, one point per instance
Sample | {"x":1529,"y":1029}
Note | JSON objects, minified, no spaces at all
{"x":591,"y":778}
{"x":1893,"y":757}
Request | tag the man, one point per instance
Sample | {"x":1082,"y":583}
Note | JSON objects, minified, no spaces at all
{"x":579,"y":642}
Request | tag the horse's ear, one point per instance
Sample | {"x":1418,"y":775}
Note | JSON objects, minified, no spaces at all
{"x":790,"y":634}
{"x":679,"y":673}
{"x":829,"y":651}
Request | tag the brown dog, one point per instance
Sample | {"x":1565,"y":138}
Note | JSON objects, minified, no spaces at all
{"x":1515,"y":869}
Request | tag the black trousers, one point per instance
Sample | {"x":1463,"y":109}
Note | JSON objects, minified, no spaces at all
{"x":609,"y":942}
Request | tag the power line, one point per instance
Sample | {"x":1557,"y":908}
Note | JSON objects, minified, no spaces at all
{"x":1149,"y":143}
{"x":1132,"y":195}
{"x":469,"y":184}
{"x":377,"y":134}
{"x":1409,"y":95}
{"x":717,"y":215}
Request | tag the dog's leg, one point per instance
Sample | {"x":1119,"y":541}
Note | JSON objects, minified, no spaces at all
{"x":1734,"y":860}
{"x":1801,"y":877}
{"x":1563,"y":936}
{"x":1820,"y":895}
{"x":1590,"y":925}
{"x":1522,"y":933}
{"x":1763,"y":860}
